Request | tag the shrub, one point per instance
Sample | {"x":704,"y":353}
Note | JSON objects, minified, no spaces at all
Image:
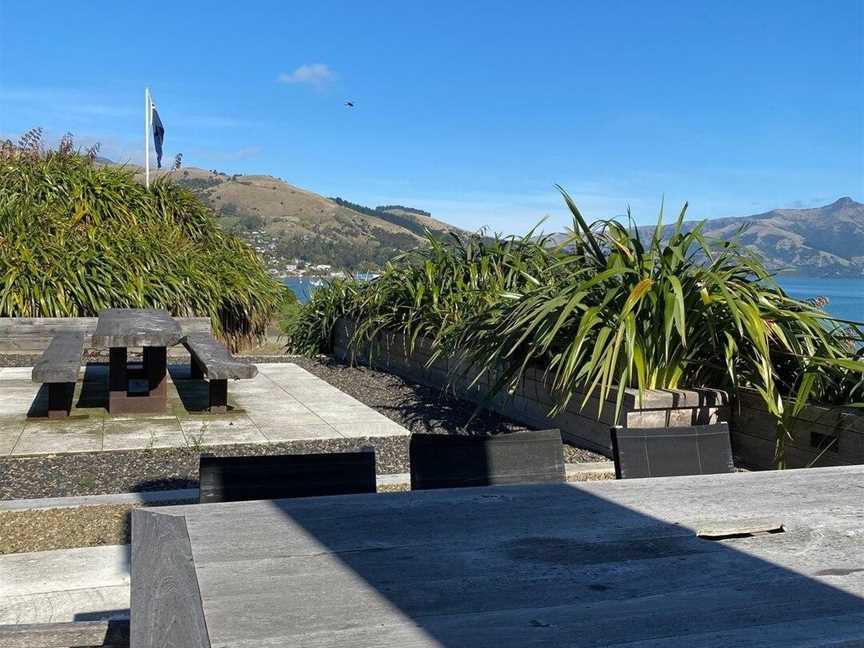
{"x":77,"y":237}
{"x":607,"y":307}
{"x":664,"y":313}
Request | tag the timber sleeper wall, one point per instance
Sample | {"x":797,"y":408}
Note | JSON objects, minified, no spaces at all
{"x":32,"y":335}
{"x":530,"y":403}
{"x":820,"y":435}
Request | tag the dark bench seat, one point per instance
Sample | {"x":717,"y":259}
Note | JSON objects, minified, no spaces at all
{"x":210,"y":358}
{"x":59,"y":367}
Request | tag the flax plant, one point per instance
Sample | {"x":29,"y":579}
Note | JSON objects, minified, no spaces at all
{"x":674,"y":310}
{"x":76,"y":237}
{"x":426,"y":292}
{"x":607,"y":308}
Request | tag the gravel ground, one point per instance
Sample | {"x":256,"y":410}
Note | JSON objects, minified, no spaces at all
{"x":417,"y":407}
{"x":66,"y":528}
{"x":130,"y":471}
{"x":24,"y":531}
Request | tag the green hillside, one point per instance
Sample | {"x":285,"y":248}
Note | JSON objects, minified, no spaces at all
{"x":285,"y":222}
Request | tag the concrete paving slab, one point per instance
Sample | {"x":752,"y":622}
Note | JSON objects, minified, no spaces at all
{"x":52,"y":437}
{"x":380,"y":428}
{"x":294,"y":432}
{"x":261,"y":382}
{"x":221,"y":431}
{"x":141,"y":433}
{"x":64,"y":569}
{"x":278,"y":419}
{"x":352,"y":415}
{"x":16,"y":373}
{"x":320,"y":395}
{"x":149,"y":498}
{"x":282,"y":403}
{"x":10,"y":432}
{"x":276,"y":402}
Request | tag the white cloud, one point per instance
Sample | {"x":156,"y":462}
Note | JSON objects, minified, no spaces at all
{"x":318,"y":75}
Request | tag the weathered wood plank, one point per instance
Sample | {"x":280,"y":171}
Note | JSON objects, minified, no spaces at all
{"x":166,"y":603}
{"x":215,"y":360}
{"x":61,"y":361}
{"x":135,"y":327}
{"x":672,"y":618}
{"x":448,"y":461}
{"x":34,"y":334}
{"x":230,"y":479}
{"x":107,"y":634}
{"x":605,"y":563}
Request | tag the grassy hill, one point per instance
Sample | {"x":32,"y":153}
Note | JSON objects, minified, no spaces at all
{"x":284,"y":221}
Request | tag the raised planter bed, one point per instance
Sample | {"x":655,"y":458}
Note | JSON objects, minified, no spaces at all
{"x":820,"y":435}
{"x":530,"y":403}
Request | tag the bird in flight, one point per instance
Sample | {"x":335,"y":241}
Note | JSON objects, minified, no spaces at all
{"x":350,"y":104}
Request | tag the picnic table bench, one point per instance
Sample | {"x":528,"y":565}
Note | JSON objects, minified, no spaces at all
{"x":209,"y":357}
{"x":59,"y":367}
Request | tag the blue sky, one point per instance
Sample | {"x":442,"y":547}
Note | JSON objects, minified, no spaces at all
{"x":470,"y":109}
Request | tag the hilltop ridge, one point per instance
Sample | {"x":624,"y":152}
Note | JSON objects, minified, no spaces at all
{"x":825,"y":241}
{"x":285,"y":222}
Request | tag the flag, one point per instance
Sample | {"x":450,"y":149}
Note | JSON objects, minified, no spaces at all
{"x":158,"y":135}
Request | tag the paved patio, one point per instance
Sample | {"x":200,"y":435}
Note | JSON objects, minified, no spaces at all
{"x":283,"y":403}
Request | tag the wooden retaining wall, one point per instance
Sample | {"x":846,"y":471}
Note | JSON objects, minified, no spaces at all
{"x":586,"y":427}
{"x":28,"y":335}
{"x":821,"y":435}
{"x":754,"y":429}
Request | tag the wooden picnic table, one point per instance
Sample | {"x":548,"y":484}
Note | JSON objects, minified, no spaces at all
{"x":120,"y":329}
{"x":587,"y":564}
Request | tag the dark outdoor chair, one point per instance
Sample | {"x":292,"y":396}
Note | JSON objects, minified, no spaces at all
{"x":232,"y":479}
{"x":447,"y":461}
{"x":671,"y":451}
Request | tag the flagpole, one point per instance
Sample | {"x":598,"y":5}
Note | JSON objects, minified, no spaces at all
{"x":147,"y":137}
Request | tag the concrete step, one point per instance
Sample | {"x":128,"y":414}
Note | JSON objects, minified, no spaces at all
{"x":85,"y":584}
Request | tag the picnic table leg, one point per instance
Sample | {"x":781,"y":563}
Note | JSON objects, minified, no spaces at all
{"x":195,"y":372}
{"x":218,"y":396}
{"x":154,"y":373}
{"x":155,"y":363}
{"x":60,"y":399}
{"x":118,"y":379}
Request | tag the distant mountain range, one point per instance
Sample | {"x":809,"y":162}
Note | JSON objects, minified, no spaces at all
{"x":822,"y":242}
{"x":285,"y":221}
{"x":819,"y":242}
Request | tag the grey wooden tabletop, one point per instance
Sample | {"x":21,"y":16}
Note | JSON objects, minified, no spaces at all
{"x":589,"y":564}
{"x":135,"y":327}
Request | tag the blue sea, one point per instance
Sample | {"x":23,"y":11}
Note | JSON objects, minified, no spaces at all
{"x":845,"y":296}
